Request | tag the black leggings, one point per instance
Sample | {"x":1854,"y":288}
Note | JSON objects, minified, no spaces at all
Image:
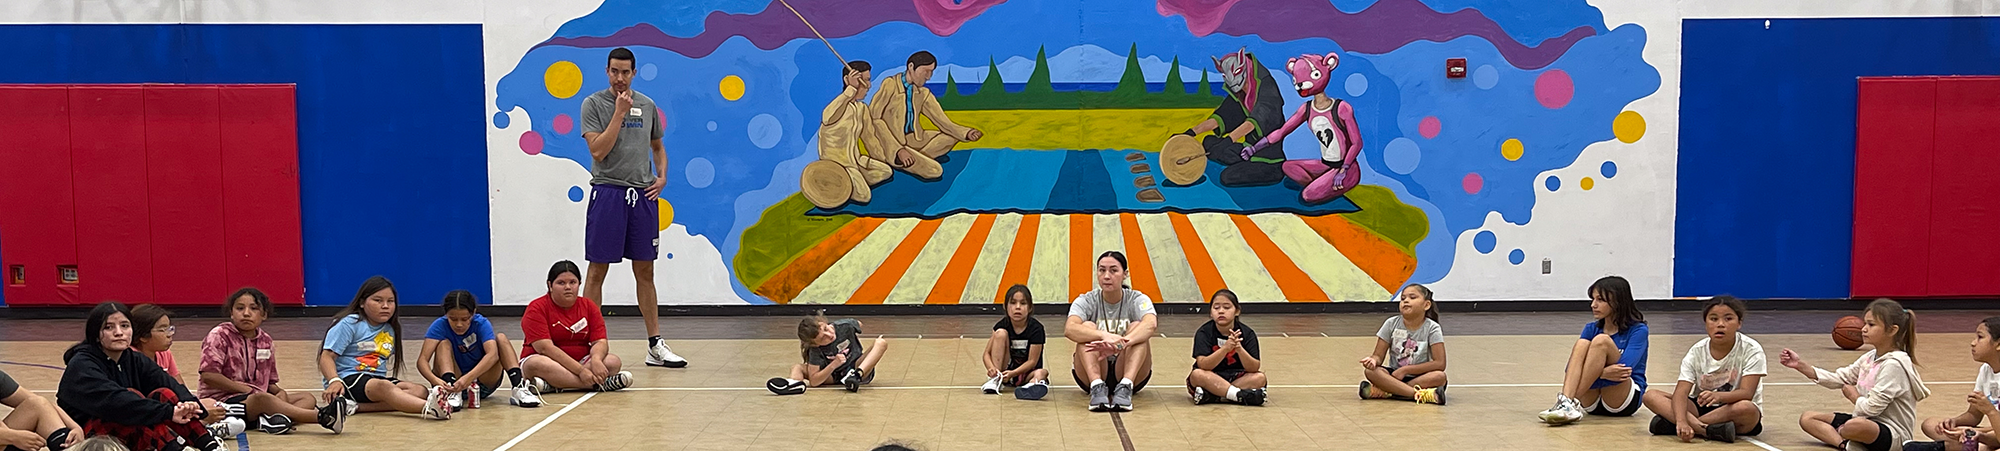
{"x":1883,"y":438}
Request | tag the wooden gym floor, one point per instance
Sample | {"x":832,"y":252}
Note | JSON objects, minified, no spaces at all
{"x":1504,"y":368}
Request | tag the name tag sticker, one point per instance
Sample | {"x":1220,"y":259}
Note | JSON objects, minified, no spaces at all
{"x":263,"y":354}
{"x":1019,"y":344}
{"x":637,"y":112}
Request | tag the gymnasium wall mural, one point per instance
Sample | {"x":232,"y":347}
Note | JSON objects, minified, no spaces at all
{"x":1290,"y":150}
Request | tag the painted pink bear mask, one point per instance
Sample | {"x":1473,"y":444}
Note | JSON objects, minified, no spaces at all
{"x":1333,"y":127}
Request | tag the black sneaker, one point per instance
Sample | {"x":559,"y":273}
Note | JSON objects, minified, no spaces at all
{"x":333,"y":416}
{"x":274,"y":424}
{"x":783,"y":386}
{"x":1033,"y":391}
{"x":852,"y":380}
{"x":1251,"y":397}
{"x":58,"y":439}
{"x":1724,"y":432}
{"x":1923,"y":446}
{"x":1364,"y":390}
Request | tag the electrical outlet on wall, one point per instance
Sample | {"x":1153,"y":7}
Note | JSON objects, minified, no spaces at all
{"x":1547,"y":266}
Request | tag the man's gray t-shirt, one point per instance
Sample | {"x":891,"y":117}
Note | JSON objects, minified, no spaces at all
{"x":1116,"y":318}
{"x":630,"y":162}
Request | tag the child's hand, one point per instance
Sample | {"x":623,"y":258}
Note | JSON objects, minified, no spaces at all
{"x":27,"y":439}
{"x":186,"y":411}
{"x":1400,"y":373}
{"x":1617,"y":373}
{"x":836,"y":360}
{"x":1369,"y":363}
{"x":335,"y":390}
{"x":1685,"y":431}
{"x":1708,"y":398}
{"x":1790,"y":360}
{"x":993,"y":373}
{"x":1980,"y":403}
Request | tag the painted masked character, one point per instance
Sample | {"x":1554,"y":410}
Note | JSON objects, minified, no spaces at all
{"x":1332,"y":123}
{"x":1252,"y":108}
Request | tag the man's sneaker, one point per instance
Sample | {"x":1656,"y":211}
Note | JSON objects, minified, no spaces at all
{"x":616,"y":382}
{"x":661,"y":355}
{"x":1430,"y":396}
{"x":1100,"y":397}
{"x":1914,"y":445}
{"x":991,"y":387}
{"x":436,"y":407}
{"x":1121,"y":398}
{"x":1033,"y":391}
{"x":1252,"y":397}
{"x":1202,"y":396}
{"x":274,"y":424}
{"x":852,"y":380}
{"x":333,"y":416}
{"x":525,"y":396}
{"x":1724,"y":432}
{"x":227,"y":427}
{"x":783,"y":386}
{"x":1555,"y":414}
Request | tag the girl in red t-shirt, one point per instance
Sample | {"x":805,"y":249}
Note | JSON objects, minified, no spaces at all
{"x":566,"y":347}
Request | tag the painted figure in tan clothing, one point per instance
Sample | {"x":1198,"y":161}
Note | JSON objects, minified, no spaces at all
{"x":893,"y":114}
{"x":840,"y":139}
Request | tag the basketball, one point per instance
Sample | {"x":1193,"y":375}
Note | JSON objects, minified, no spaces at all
{"x":1847,"y":332}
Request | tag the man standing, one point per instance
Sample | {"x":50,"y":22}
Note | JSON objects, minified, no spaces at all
{"x":623,"y":130}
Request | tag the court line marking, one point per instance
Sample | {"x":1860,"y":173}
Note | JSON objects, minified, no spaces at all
{"x":1761,"y":444}
{"x":1123,"y":437}
{"x":545,"y":422}
{"x":973,"y":387}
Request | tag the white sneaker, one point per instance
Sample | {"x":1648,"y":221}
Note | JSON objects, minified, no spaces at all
{"x":1573,"y":412}
{"x":456,"y":401}
{"x":542,"y":387}
{"x":992,"y":386}
{"x":436,"y":406}
{"x":525,"y":397}
{"x":228,"y":427}
{"x":661,"y":355}
{"x":1554,"y":414}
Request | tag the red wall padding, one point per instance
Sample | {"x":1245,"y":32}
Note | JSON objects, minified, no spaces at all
{"x":180,"y":193}
{"x":261,"y":194}
{"x":1926,"y":205}
{"x":39,"y":232}
{"x":1965,"y":189}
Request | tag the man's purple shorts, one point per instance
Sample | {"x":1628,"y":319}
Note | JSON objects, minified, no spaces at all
{"x":622,"y":224}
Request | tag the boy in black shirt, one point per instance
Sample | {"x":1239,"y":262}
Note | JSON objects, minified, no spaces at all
{"x":1014,"y":355}
{"x":1226,"y":367}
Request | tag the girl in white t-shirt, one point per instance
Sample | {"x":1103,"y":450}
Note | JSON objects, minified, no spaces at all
{"x":1408,"y":362}
{"x":1983,"y":403}
{"x":1718,"y":394}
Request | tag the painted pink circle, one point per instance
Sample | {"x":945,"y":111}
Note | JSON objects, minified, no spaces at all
{"x":1429,"y":127}
{"x":531,"y":143}
{"x":1473,"y":183}
{"x":564,"y":124}
{"x":1554,"y":88}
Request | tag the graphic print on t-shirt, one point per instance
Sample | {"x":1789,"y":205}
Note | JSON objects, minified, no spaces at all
{"x":374,"y":351}
{"x":1229,"y":360}
{"x":581,"y":324}
{"x":1406,"y":347}
{"x":1722,"y":379}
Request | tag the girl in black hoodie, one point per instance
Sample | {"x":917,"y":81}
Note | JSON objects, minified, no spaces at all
{"x":113,"y":390}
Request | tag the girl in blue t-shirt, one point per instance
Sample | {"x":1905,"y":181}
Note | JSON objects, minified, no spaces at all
{"x":1607,"y":365}
{"x":364,"y":350}
{"x":470,"y":348}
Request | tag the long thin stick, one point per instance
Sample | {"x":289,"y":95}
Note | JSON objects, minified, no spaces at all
{"x":815,"y":30}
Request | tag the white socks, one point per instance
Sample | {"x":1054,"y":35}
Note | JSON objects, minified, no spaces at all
{"x":1232,"y":394}
{"x":1124,"y":382}
{"x":1095,"y":384}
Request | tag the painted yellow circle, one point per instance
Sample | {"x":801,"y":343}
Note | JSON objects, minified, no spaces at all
{"x":1587,"y":183}
{"x":563,"y":79}
{"x":732,"y":87}
{"x":666,"y":214}
{"x":1629,"y":126}
{"x":1511,"y":149}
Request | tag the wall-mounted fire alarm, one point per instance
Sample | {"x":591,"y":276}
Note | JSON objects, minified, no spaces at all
{"x":1454,"y":68}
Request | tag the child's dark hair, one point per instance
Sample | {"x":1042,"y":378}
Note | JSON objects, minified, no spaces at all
{"x":256,"y":295}
{"x":1026,"y":296}
{"x":1617,"y":292}
{"x":1992,"y":324}
{"x":1891,"y":313}
{"x":369,"y":287}
{"x":564,"y":266}
{"x":854,"y":66}
{"x":143,"y":318}
{"x":1225,"y":293}
{"x":1723,"y":300}
{"x":809,"y":331}
{"x":461,"y":300}
{"x":94,"y":324}
{"x":1430,"y":311}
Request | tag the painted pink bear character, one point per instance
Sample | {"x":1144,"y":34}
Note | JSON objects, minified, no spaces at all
{"x":1333,"y":126}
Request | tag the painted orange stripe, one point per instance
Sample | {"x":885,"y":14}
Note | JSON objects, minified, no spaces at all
{"x":1298,"y":286}
{"x":1135,"y":251}
{"x":1376,"y":256}
{"x":877,"y":287}
{"x":788,"y":282}
{"x":1021,"y":258}
{"x":1081,"y":261}
{"x":1205,"y":275}
{"x":951,"y":284}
